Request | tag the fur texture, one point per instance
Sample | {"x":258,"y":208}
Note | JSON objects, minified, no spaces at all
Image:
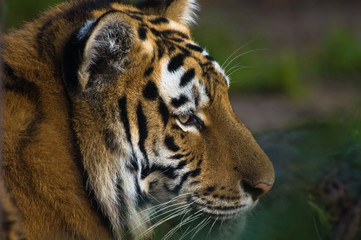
{"x":111,"y":109}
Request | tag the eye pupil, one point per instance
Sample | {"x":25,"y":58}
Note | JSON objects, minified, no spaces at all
{"x":190,"y":120}
{"x":184,"y":118}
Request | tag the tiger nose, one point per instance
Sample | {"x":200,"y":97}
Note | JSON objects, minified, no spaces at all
{"x":257,"y":190}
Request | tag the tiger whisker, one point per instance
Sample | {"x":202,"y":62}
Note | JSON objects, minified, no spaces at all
{"x":166,"y":212}
{"x":154,"y":216}
{"x":196,"y":215}
{"x":242,"y":54}
{"x":179,"y":225}
{"x":210,"y":229}
{"x":151,"y":228}
{"x":194,"y":228}
{"x":237,"y":69}
{"x":233,"y":67}
{"x":205,"y":223}
{"x":162,"y":208}
{"x":161,"y":205}
{"x":238,"y":49}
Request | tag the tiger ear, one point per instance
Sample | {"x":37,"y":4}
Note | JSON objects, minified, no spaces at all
{"x":97,"y":53}
{"x":182,"y":11}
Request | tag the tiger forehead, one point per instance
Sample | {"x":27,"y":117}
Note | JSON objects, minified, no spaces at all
{"x":163,"y":37}
{"x":159,"y":26}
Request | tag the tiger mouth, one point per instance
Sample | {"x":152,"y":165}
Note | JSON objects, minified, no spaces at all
{"x":221,"y":212}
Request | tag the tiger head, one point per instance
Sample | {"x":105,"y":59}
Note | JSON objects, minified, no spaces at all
{"x":152,"y":117}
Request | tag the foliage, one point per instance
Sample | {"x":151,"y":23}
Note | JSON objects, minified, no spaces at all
{"x":340,"y":55}
{"x":18,"y":11}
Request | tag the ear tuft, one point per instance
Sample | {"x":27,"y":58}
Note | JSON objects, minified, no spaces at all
{"x":97,"y":53}
{"x":182,"y":11}
{"x":108,"y":46}
{"x":107,"y":43}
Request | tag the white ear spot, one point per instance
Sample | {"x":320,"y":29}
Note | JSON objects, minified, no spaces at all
{"x":85,"y":29}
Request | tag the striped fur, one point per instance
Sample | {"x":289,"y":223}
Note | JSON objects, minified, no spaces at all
{"x":111,"y":109}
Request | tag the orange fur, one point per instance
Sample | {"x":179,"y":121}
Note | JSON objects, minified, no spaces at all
{"x":53,"y":134}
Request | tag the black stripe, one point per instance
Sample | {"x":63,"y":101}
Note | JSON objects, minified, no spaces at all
{"x":110,"y":140}
{"x":170,"y":33}
{"x":170,"y":144}
{"x":177,"y":102}
{"x":176,"y":127}
{"x":155,"y":32}
{"x":40,"y":38}
{"x":143,"y":131}
{"x":181,"y":164}
{"x":178,"y":40}
{"x":132,"y":163}
{"x":199,"y":162}
{"x":150,"y":91}
{"x":194,"y":47}
{"x":139,"y":18}
{"x":121,"y":204}
{"x":195,"y":172}
{"x":142,"y":33}
{"x":160,"y":47}
{"x":148,"y":72}
{"x":164,"y":112}
{"x":21,"y":86}
{"x":210,"y":189}
{"x":122,"y":103}
{"x":171,"y":49}
{"x":176,"y":62}
{"x":210,"y":58}
{"x":177,"y":156}
{"x":72,"y":57}
{"x":185,"y":177}
{"x":168,"y":171}
{"x":142,"y":199}
{"x":187,"y":77}
{"x":159,"y":20}
{"x":178,"y":187}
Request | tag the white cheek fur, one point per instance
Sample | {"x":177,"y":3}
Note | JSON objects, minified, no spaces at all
{"x":187,"y":128}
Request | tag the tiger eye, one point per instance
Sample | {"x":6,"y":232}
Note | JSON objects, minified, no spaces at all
{"x":184,"y":118}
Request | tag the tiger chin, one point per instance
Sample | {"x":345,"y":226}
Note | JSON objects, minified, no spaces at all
{"x":115,"y":121}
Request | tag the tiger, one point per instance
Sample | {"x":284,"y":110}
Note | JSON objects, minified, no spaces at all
{"x":112,"y":113}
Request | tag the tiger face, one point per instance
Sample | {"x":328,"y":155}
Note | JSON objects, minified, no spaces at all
{"x":161,"y":103}
{"x":151,"y":116}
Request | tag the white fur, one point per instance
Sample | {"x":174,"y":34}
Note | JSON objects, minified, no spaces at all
{"x":169,"y":88}
{"x":189,"y":12}
{"x":218,"y":67}
{"x":85,"y":29}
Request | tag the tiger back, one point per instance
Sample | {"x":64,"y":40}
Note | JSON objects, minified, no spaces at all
{"x":111,"y":109}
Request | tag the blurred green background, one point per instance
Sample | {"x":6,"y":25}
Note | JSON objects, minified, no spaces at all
{"x":295,"y":69}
